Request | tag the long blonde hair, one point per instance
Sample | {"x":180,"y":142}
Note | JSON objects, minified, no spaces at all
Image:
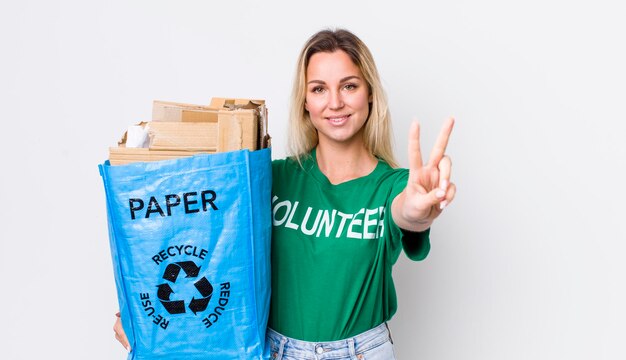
{"x":377,"y":129}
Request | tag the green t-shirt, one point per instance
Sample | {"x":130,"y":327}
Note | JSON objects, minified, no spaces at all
{"x":333,"y":247}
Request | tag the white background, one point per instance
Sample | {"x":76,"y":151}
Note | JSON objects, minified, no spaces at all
{"x":528,"y":262}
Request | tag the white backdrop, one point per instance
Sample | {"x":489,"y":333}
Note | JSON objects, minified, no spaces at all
{"x":526,"y":264}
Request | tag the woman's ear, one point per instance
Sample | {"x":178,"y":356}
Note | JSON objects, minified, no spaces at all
{"x":306,"y":107}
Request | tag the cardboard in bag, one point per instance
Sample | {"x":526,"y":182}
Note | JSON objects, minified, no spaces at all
{"x":180,"y":129}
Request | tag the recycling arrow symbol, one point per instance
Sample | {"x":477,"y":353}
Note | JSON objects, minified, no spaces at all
{"x":204,"y":287}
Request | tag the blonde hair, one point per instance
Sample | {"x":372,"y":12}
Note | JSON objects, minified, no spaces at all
{"x":377,"y":129}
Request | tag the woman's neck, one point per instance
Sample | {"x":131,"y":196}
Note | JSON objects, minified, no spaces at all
{"x":344,"y":162}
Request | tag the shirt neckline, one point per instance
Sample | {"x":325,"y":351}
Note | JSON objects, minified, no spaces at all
{"x":319,"y":175}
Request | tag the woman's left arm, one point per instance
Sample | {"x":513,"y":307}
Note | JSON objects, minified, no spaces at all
{"x":428,"y":190}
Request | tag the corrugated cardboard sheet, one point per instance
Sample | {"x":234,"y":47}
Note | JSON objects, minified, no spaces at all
{"x":179,"y":129}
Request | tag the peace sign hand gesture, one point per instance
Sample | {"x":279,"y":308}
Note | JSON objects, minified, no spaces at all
{"x":428,"y":190}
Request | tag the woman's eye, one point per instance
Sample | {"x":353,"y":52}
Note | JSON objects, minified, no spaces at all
{"x":349,"y":87}
{"x":317,"y":90}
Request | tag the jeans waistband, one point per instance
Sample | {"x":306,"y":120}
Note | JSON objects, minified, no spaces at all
{"x":284,"y":345}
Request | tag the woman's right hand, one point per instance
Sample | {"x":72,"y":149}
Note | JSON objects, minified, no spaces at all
{"x":120,"y":335}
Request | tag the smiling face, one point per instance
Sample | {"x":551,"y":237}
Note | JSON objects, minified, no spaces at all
{"x":337,"y":98}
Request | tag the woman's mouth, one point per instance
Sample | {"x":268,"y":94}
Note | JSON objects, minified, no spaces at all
{"x":338,"y":120}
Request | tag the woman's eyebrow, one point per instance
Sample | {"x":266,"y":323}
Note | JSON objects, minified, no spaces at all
{"x":349,"y":78}
{"x":341,"y":81}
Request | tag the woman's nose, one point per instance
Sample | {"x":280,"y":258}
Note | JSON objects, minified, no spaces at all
{"x":335,"y":101}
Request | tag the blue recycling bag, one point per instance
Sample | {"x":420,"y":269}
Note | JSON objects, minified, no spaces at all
{"x":190,"y":242}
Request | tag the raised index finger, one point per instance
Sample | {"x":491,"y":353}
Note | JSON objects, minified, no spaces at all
{"x":415,"y":154}
{"x":442,"y":142}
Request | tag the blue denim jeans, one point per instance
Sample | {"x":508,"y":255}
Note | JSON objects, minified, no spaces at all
{"x":374,"y":344}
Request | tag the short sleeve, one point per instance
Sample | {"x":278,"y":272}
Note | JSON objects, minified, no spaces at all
{"x":416,"y":245}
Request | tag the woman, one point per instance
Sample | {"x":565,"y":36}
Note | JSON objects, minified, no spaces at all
{"x":341,"y":211}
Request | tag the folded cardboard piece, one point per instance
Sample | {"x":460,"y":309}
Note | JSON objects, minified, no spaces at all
{"x":179,"y":129}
